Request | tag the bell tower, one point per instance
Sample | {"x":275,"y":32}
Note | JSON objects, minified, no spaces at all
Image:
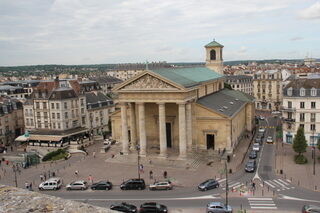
{"x":214,"y":59}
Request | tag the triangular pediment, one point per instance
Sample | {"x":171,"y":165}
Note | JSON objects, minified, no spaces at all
{"x":149,"y":82}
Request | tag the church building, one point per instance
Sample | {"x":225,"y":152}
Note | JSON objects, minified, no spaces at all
{"x":181,"y":110}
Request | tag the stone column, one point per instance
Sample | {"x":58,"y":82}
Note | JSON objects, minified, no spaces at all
{"x":162,"y":130}
{"x":133,"y":128}
{"x":142,"y":130}
{"x":124,"y":129}
{"x":189,"y":126}
{"x":182,"y":131}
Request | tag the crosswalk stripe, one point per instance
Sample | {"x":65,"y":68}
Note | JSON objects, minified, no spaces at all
{"x":221,"y":180}
{"x":267,"y":182}
{"x":284,"y":182}
{"x":282,"y":185}
{"x":264,"y":207}
{"x":259,"y":198}
{"x":261,"y":203}
{"x":234,"y":184}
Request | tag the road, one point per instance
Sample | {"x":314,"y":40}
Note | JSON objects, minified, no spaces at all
{"x":285,"y":196}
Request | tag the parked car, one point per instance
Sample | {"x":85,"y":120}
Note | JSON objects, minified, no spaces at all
{"x":253,"y":155}
{"x":51,"y":184}
{"x":124,"y":207}
{"x":153,"y":207}
{"x":270,"y":139}
{"x":258,"y":140}
{"x":133,"y":184}
{"x":310,"y":208}
{"x":161,"y":185}
{"x":2,"y":149}
{"x":218,"y":207}
{"x":208,"y":184}
{"x":77,"y":185}
{"x":256,"y":147}
{"x":250,"y":166}
{"x":102,"y":185}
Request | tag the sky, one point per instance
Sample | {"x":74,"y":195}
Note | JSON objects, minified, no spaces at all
{"x":130,"y":31}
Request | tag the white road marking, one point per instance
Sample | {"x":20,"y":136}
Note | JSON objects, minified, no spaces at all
{"x":281,"y":196}
{"x":284,"y":182}
{"x":267,"y":182}
{"x":261,"y":203}
{"x":221,"y":180}
{"x":282,"y":185}
{"x":259,"y":198}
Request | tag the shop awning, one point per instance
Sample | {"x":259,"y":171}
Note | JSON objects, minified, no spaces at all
{"x":45,"y":138}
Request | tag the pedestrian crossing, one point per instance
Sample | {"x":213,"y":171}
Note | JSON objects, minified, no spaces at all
{"x":261,"y":203}
{"x":279,"y":184}
{"x":232,"y":184}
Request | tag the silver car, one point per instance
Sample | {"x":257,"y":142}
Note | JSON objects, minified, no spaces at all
{"x":77,"y":185}
{"x":161,"y":185}
{"x":218,"y":207}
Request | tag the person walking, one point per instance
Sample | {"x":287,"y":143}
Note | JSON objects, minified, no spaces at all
{"x":165,"y":174}
{"x":90,"y":179}
{"x":41,"y":178}
{"x":76,"y":172}
{"x":94,"y":154}
{"x":151,"y":174}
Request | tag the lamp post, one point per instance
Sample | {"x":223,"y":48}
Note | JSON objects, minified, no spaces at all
{"x":227,"y":185}
{"x":314,"y":159}
{"x":15,"y":174}
{"x":138,"y":161}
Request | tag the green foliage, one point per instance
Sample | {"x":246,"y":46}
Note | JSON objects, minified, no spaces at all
{"x":299,"y":142}
{"x":319,"y":144}
{"x":300,"y":159}
{"x":228,"y":86}
{"x":55,"y":155}
{"x":279,"y":132}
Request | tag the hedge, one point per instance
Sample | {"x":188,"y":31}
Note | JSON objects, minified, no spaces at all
{"x":53,"y":154}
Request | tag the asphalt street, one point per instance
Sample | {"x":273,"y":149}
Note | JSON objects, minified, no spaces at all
{"x":285,"y":196}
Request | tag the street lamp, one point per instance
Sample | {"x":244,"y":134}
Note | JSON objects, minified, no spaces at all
{"x":15,"y":169}
{"x":314,"y":159}
{"x":227,"y":185}
{"x":138,"y":161}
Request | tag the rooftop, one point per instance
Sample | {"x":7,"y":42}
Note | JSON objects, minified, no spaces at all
{"x":188,"y":76}
{"x":214,"y":44}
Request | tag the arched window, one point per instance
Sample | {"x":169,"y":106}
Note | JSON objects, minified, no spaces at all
{"x":302,"y":92}
{"x":212,"y":55}
{"x":289,"y":91}
{"x":313,"y":91}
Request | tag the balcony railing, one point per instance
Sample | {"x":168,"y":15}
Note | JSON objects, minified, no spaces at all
{"x":290,"y":120}
{"x":289,"y":109}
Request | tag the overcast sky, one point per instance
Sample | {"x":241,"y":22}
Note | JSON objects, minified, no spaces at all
{"x":119,"y":31}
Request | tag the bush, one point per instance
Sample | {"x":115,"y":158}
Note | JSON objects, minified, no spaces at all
{"x":55,"y":155}
{"x":300,"y":159}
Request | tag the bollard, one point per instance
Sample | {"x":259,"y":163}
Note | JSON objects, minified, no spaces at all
{"x":298,"y":182}
{"x":262,"y":192}
{"x":315,"y":187}
{"x":268,"y":189}
{"x":291,"y":179}
{"x":273,"y":193}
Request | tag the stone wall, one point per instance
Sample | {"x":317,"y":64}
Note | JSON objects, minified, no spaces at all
{"x":13,"y":200}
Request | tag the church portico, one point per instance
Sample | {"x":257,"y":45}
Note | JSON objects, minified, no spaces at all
{"x":170,"y":113}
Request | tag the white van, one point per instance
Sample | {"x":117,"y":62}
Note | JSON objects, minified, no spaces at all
{"x":51,"y":184}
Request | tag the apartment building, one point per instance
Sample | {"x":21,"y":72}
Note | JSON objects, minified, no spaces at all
{"x":241,"y":83}
{"x":301,"y":108}
{"x":267,"y":89}
{"x":11,"y":120}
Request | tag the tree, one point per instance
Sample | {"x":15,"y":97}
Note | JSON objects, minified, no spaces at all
{"x":228,"y":86}
{"x":319,"y":144}
{"x":300,"y":142}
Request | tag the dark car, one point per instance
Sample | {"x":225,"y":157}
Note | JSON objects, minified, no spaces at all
{"x":310,"y":208}
{"x":250,"y":166}
{"x":259,"y":140}
{"x":124,"y":207}
{"x":153,"y":208}
{"x":133,"y":184}
{"x":102,"y":185}
{"x":2,"y":149}
{"x":208,"y":184}
{"x":253,"y":155}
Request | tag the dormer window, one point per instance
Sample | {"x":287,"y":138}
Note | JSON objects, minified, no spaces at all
{"x":289,"y":91}
{"x":302,"y":92}
{"x":313,"y":91}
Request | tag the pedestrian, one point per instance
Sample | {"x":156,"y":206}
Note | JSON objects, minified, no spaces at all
{"x":11,"y":148}
{"x":76,"y":172}
{"x":45,"y":176}
{"x":26,"y":185}
{"x":141,"y":168}
{"x":90,"y":179}
{"x":94,"y":154}
{"x":165,"y":174}
{"x":7,"y":162}
{"x":30,"y":186}
{"x":4,"y":152}
{"x":151,"y":174}
{"x":253,"y":186}
{"x":41,"y":178}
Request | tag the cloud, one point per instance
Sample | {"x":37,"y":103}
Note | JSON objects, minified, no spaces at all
{"x":312,"y":12}
{"x":296,"y":38}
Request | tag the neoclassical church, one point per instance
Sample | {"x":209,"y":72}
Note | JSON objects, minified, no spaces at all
{"x":181,"y":110}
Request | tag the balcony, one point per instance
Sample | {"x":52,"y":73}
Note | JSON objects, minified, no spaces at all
{"x":289,"y":120}
{"x":288,"y":109}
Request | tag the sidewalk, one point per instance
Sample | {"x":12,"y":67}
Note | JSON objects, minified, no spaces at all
{"x":301,"y":175}
{"x":102,"y":167}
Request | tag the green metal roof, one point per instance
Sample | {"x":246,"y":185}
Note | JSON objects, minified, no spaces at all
{"x":214,"y":44}
{"x":188,"y":77}
{"x":239,"y":95}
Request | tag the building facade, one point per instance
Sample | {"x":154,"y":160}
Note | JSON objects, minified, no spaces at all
{"x":267,"y":89}
{"x":301,"y":108}
{"x":11,"y":120}
{"x":181,"y":109}
{"x":241,"y":83}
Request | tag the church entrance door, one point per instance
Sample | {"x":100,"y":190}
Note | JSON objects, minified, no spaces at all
{"x":169,"y":135}
{"x":210,"y":141}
